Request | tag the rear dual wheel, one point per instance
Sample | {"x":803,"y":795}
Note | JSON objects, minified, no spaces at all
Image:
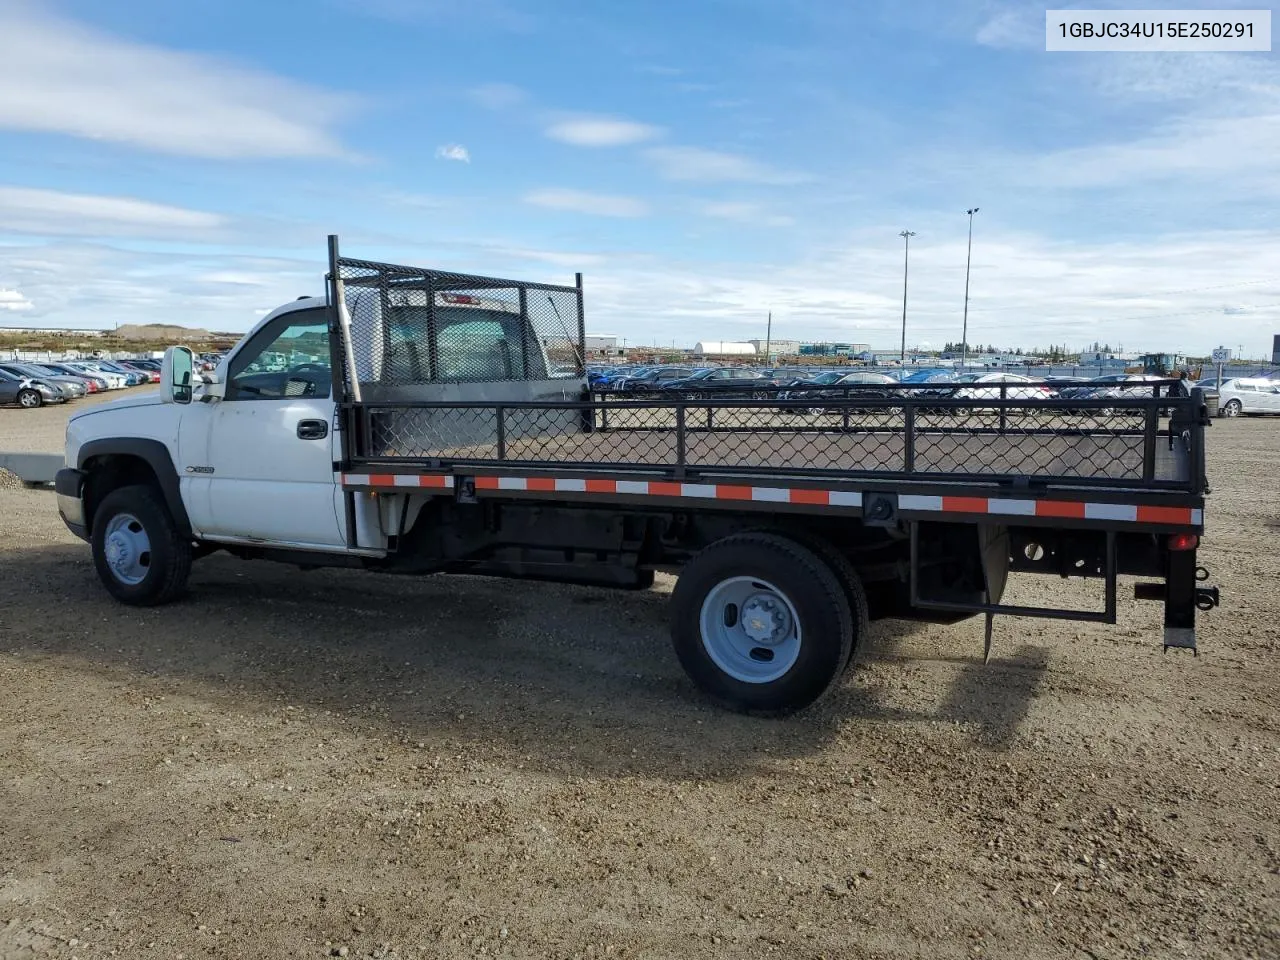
{"x":763,"y":624}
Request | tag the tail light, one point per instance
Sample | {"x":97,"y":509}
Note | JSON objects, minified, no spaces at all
{"x":1183,"y":541}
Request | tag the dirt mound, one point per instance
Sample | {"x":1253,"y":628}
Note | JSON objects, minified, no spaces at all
{"x":160,"y":331}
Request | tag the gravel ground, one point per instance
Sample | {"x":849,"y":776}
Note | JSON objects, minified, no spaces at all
{"x":337,"y":764}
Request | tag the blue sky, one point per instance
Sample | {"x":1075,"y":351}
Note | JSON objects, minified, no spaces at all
{"x":701,"y":163}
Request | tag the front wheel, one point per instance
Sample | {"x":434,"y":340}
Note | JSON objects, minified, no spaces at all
{"x":141,"y":556}
{"x":761,"y":624}
{"x":1232,"y":408}
{"x":29,"y":399}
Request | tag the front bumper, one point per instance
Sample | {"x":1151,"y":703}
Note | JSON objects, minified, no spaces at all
{"x":68,"y":486}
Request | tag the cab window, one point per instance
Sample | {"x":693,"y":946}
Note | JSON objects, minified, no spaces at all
{"x":288,"y":360}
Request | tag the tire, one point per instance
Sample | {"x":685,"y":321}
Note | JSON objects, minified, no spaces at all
{"x":796,"y":593}
{"x":854,"y":593}
{"x":30,"y":399}
{"x":1232,"y":408}
{"x":140,"y":555}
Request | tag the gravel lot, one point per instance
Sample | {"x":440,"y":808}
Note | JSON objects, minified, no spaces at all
{"x":336,"y":764}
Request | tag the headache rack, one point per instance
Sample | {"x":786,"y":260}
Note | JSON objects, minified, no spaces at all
{"x":402,"y":330}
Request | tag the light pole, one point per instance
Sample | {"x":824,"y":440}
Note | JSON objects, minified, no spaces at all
{"x":906,"y":236}
{"x":964,"y":337}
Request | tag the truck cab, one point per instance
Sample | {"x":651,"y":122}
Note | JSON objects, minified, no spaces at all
{"x":248,"y":453}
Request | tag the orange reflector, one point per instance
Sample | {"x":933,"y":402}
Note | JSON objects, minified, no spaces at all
{"x":1183,"y":541}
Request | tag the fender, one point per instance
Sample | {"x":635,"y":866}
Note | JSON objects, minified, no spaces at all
{"x":156,"y":455}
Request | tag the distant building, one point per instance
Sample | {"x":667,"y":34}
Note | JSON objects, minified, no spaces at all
{"x":776,"y":347}
{"x":602,"y":343}
{"x":724,"y":348}
{"x":1109,"y":361}
{"x":833,"y":349}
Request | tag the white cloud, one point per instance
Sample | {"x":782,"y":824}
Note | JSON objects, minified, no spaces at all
{"x":1160,"y":293}
{"x":741,"y":212}
{"x":51,"y":213}
{"x":601,"y":132}
{"x":453,"y":151}
{"x":14,"y":301}
{"x":1173,"y":292}
{"x":59,"y":76}
{"x":1014,"y":28}
{"x":498,"y":96}
{"x":579,"y":201}
{"x":1237,"y":153}
{"x":76,"y":284}
{"x":694,"y":163}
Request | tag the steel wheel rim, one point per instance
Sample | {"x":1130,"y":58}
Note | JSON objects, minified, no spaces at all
{"x":127,"y":548}
{"x":750,"y":629}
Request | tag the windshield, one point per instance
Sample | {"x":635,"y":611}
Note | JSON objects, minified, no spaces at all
{"x":826,"y":378}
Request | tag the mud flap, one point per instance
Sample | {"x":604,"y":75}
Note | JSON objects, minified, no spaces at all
{"x":1180,"y":600}
{"x":994,"y":542}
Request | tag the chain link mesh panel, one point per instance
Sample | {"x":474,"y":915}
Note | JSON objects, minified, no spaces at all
{"x":1120,"y":442}
{"x":411,"y":326}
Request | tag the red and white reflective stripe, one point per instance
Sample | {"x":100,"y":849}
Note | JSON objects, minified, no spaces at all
{"x":668,"y":488}
{"x":805,"y":496}
{"x":436,"y":481}
{"x":641,"y":488}
{"x":1068,"y":509}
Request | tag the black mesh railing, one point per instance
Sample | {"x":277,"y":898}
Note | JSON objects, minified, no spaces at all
{"x":1150,"y":441}
{"x":411,"y":326}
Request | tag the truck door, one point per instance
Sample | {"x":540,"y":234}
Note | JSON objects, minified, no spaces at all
{"x":258,"y":464}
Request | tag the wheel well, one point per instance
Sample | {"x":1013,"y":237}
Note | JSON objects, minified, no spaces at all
{"x":112,"y":471}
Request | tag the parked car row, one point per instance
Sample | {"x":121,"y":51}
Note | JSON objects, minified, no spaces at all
{"x":1236,"y":396}
{"x":29,"y":384}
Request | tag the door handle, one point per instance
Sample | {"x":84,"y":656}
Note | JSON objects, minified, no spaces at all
{"x":312,"y":429}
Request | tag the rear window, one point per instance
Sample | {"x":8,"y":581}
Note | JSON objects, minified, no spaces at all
{"x":469,"y":345}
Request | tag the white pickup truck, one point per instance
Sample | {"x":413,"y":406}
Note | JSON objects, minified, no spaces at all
{"x":418,"y":422}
